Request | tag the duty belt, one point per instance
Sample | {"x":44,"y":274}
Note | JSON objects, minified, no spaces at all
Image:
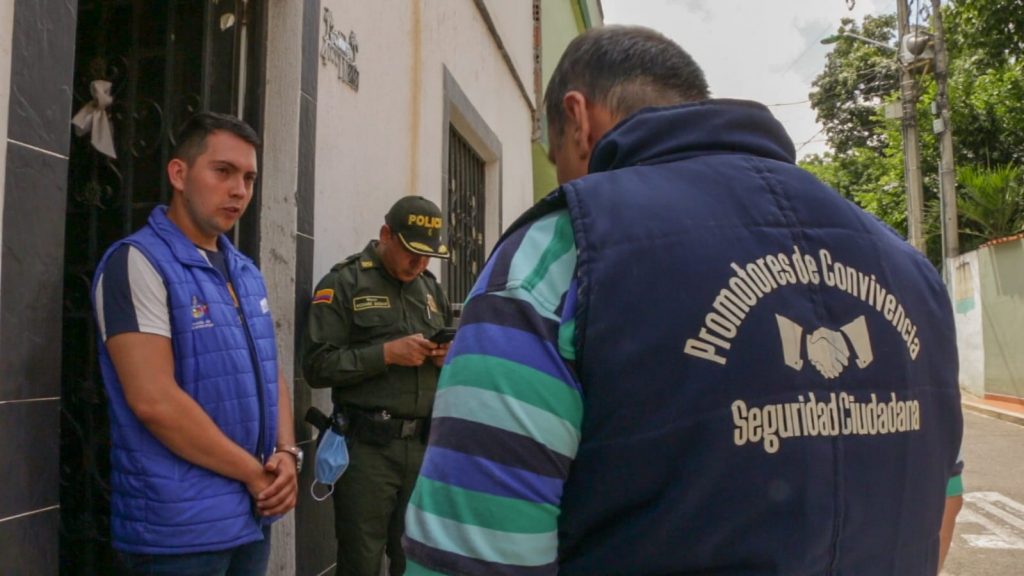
{"x":382,"y":421}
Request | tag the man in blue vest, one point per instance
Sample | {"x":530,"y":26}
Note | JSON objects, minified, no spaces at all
{"x":203,"y":456}
{"x":691,"y":358}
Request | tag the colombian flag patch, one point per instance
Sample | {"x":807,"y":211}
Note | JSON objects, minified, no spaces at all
{"x":325,"y":296}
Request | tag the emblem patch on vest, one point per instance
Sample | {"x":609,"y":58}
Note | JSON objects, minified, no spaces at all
{"x":368,"y":302}
{"x":826,"y":349}
{"x":200,"y":315}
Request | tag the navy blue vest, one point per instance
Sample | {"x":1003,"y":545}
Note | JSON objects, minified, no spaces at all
{"x":770,"y":374}
{"x":162,"y":504}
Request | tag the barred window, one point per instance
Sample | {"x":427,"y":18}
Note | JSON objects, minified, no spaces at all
{"x":466,"y":194}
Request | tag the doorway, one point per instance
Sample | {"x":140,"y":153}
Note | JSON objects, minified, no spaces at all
{"x":164,"y":60}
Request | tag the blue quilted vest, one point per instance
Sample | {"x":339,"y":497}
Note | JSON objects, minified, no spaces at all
{"x":770,"y":374}
{"x":162,"y":504}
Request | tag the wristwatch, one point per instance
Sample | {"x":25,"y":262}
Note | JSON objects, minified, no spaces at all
{"x":294,"y":451}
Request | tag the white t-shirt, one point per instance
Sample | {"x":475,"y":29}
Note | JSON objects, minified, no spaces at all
{"x":131,"y":295}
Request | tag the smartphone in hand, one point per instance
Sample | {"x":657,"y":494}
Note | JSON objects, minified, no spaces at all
{"x":443,"y":336}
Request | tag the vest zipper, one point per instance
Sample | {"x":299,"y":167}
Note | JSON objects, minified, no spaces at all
{"x":257,"y":371}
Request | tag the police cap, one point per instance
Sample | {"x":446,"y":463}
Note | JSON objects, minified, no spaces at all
{"x":418,"y":224}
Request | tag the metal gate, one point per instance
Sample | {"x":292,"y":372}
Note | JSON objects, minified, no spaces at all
{"x":466,"y":193}
{"x":165,"y":59}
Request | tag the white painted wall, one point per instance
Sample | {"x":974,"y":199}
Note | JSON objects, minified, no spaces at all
{"x":1001,"y":269}
{"x":385,"y":141}
{"x":967,"y":304}
{"x":477,"y":66}
{"x":363,"y":146}
{"x":6,"y":34}
{"x":515,"y":27}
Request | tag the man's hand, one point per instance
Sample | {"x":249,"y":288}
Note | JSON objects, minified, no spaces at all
{"x":949,"y":514}
{"x":408,"y":351}
{"x":282,"y":493}
{"x":437,"y":355}
{"x":258,"y":482}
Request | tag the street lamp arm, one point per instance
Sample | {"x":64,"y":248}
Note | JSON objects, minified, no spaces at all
{"x":836,"y":37}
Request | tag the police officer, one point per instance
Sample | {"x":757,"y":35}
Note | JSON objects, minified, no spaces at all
{"x":368,"y":339}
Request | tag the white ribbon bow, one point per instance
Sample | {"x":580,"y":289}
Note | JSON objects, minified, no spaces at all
{"x":93,"y":118}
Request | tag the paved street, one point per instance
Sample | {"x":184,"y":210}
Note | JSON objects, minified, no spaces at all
{"x":989,"y":539}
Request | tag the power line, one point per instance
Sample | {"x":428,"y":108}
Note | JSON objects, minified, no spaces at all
{"x":808,"y":141}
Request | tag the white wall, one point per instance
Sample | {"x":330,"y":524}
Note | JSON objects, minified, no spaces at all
{"x":1001,"y":269}
{"x":6,"y":34}
{"x":385,"y":141}
{"x":967,"y":304}
{"x":515,"y":27}
{"x":362,"y":139}
{"x":477,"y":66}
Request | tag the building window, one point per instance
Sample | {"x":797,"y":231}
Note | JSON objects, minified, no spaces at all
{"x":467,"y":191}
{"x":470,"y":190}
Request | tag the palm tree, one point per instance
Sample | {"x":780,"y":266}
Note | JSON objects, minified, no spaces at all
{"x":992,"y":202}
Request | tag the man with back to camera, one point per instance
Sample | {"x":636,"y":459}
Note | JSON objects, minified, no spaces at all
{"x":368,"y":338}
{"x":203,"y":453}
{"x":691,"y":358}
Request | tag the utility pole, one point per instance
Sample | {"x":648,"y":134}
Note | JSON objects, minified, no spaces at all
{"x":911,"y":151}
{"x":943,"y":126}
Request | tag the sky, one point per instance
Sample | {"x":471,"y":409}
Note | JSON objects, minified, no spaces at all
{"x":763,"y":50}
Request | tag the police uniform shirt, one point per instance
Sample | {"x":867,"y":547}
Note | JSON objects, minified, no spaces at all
{"x":356,"y":308}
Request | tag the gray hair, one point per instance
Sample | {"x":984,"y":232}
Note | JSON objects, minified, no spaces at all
{"x":624,"y":68}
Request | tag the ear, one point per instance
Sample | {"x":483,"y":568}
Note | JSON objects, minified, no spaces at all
{"x":385,"y":233}
{"x":577,"y":126}
{"x":177,"y":171}
{"x":587,"y":122}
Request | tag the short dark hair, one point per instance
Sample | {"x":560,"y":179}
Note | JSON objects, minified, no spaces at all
{"x":624,"y":68}
{"x":191,"y":140}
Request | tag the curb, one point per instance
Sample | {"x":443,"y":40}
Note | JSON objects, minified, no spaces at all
{"x":993,"y":412}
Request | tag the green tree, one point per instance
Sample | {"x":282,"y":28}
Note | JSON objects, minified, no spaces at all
{"x":992,"y":203}
{"x":986,"y":87}
{"x":865,"y":163}
{"x":987,"y":106}
{"x":991,"y":30}
{"x":858,"y":77}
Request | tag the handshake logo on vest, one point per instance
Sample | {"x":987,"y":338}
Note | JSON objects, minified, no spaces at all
{"x":827,"y":349}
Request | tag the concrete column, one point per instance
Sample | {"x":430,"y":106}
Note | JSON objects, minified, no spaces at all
{"x":279,"y":174}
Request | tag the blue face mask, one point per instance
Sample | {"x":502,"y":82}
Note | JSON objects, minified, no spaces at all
{"x":331,"y":462}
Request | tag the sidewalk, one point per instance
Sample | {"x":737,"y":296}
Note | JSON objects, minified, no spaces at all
{"x":1010,"y":411}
